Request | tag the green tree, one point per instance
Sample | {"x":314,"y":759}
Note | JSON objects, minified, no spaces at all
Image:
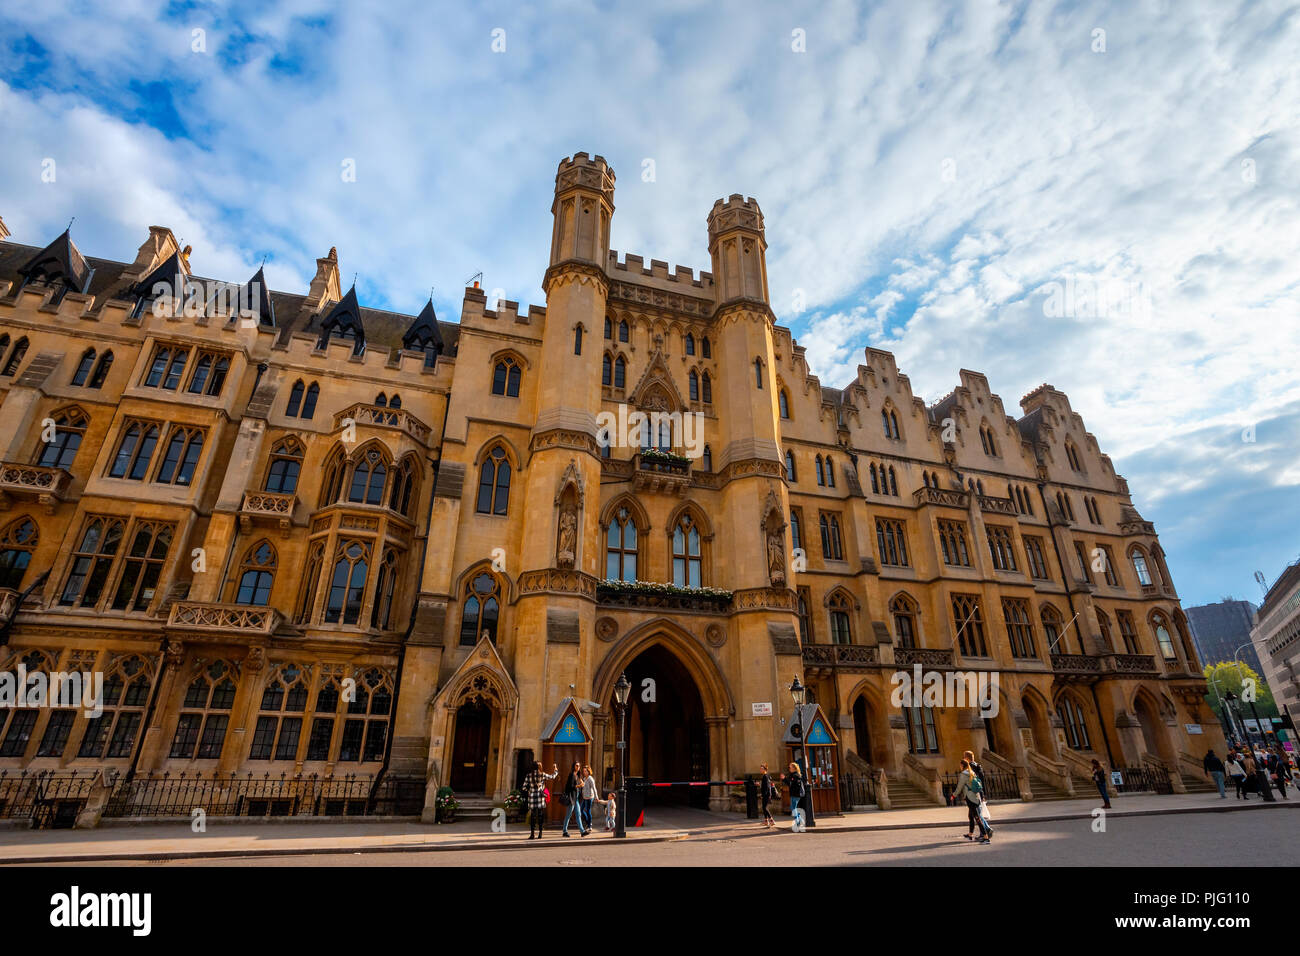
{"x":1227,"y":676}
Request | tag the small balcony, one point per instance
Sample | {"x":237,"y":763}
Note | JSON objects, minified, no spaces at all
{"x":925,"y":656}
{"x":36,"y":482}
{"x":947,"y":497}
{"x":236,"y":619}
{"x":829,"y":656}
{"x":997,"y":506}
{"x":1079,"y":664}
{"x":661,"y":472}
{"x":1138,"y":664}
{"x":653,"y":596}
{"x":378,"y":416}
{"x":267,"y":507}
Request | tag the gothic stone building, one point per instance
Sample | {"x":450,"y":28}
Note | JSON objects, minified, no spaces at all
{"x":301,"y":536}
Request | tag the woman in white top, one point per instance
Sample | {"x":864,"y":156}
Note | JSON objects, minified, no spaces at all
{"x":1236,"y":772}
{"x":587,"y":794}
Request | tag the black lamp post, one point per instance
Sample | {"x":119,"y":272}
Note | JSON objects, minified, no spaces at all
{"x":800,"y":694}
{"x":621,"y":691}
{"x":1231,"y":700}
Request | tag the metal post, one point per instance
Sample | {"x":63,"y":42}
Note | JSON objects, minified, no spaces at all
{"x":620,"y":824}
{"x":809,"y":819}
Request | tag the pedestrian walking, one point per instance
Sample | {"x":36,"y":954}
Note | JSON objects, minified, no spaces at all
{"x":1262,"y":777}
{"x":969,"y":755}
{"x":1251,"y":783}
{"x":1281,"y":771}
{"x":535,"y":798}
{"x":588,"y":795}
{"x":1238,"y":774}
{"x":571,"y":799}
{"x":1099,"y":778}
{"x":766,"y":794}
{"x":1214,"y":767}
{"x":970,"y":787}
{"x":795,"y":787}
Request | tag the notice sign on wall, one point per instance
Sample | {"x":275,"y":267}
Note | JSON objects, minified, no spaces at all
{"x":763,"y":710}
{"x":1193,"y":728}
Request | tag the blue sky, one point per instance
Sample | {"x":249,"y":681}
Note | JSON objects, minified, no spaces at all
{"x":927,"y":172}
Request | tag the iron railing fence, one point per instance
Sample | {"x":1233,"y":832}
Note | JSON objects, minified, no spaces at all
{"x":267,"y":795}
{"x":1140,"y":780}
{"x":857,"y":790}
{"x":49,"y":798}
{"x":998,"y":785}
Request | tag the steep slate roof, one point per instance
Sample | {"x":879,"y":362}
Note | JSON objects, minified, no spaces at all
{"x":170,"y":273}
{"x":382,"y":328}
{"x":61,"y":259}
{"x":424,"y":329}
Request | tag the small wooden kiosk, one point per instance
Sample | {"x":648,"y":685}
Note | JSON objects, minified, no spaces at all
{"x":810,"y":728}
{"x":565,"y":740}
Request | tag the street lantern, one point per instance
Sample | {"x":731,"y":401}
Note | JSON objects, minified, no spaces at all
{"x":800,"y":695}
{"x":621,"y":692}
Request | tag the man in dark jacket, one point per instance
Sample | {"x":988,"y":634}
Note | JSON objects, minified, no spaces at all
{"x":1214,"y":767}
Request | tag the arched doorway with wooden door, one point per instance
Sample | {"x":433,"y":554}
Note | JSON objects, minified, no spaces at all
{"x":1155,"y":734}
{"x":871,"y":738}
{"x":471,"y":747}
{"x":677,"y":714}
{"x":1040,"y":738}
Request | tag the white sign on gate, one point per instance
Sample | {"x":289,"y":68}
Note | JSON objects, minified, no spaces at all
{"x":763,"y":710}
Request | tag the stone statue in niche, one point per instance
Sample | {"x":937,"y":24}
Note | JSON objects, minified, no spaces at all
{"x":567,"y":547}
{"x":776,"y":556}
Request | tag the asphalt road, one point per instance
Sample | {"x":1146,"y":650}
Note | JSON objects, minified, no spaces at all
{"x":1270,"y":838}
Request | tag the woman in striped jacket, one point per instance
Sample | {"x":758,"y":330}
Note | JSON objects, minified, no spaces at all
{"x":535,"y":798}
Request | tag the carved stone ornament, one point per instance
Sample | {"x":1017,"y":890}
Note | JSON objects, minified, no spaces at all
{"x":716,"y":635}
{"x":607,"y":629}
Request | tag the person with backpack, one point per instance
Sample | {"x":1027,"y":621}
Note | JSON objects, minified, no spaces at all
{"x":795,"y":787}
{"x":535,"y":798}
{"x":969,"y":757}
{"x":766,"y":794}
{"x":1214,"y":767}
{"x":970,"y":786}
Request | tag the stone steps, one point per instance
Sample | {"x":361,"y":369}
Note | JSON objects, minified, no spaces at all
{"x":904,"y":795}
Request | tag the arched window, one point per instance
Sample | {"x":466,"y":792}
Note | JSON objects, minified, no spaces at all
{"x":348,"y":583}
{"x":1103,"y":624}
{"x":404,"y":483}
{"x":577,"y":340}
{"x":706,"y":348}
{"x":126,"y":691}
{"x":381,"y":615}
{"x":758,"y":372}
{"x":693,"y":381}
{"x":395,"y":401}
{"x":706,"y":385}
{"x":494,"y":483}
{"x":336,"y":473}
{"x":1072,"y":454}
{"x":893,"y":482}
{"x":295,"y":400}
{"x":783,"y":400}
{"x":17,"y":542}
{"x":256,"y":573}
{"x":1163,"y":638}
{"x":790,"y":474}
{"x":1052,"y":630}
{"x":135,"y":451}
{"x":621,"y":547}
{"x":505,"y":378}
{"x":482,"y":608}
{"x":369,"y":476}
{"x":142,"y":567}
{"x":69,"y":429}
{"x":15,"y":357}
{"x":620,"y":372}
{"x":796,"y":530}
{"x":209,"y":374}
{"x":979,"y":486}
{"x":206,"y":714}
{"x":903,"y":610}
{"x":622,"y":330}
{"x":310,"y":579}
{"x":181,"y":458}
{"x":83,"y":367}
{"x":309,"y":403}
{"x":101,"y":370}
{"x":381,"y":400}
{"x":875,"y":479}
{"x":608,"y":334}
{"x":687,"y":564}
{"x":279,"y":725}
{"x":1076,"y":729}
{"x":706,"y":460}
{"x":606,"y":369}
{"x":820,"y":469}
{"x":1140,"y":566}
{"x":986,"y":439}
{"x":286,"y":465}
{"x":690,"y":344}
{"x":841,"y":629}
{"x":366,"y":728}
{"x":92,"y":560}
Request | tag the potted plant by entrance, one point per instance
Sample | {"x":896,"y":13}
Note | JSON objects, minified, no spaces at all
{"x":446,"y":804}
{"x":515,"y":806}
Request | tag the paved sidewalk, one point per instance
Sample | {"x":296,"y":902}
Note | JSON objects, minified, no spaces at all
{"x":161,"y":841}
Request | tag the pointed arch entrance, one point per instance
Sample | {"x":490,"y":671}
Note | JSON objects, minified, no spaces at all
{"x":677,"y":712}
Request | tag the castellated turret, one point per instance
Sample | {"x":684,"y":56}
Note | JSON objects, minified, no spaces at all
{"x":582,"y":210}
{"x":739,"y":249}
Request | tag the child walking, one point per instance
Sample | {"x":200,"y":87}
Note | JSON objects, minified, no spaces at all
{"x":611,"y":809}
